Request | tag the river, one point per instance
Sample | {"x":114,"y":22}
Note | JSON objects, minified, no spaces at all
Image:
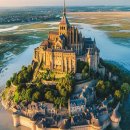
{"x":108,"y":51}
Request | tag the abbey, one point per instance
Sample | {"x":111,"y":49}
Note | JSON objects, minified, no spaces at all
{"x":63,"y":47}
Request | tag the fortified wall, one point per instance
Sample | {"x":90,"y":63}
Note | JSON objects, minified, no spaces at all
{"x":24,"y":121}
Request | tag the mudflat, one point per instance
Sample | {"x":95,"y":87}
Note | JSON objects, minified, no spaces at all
{"x":116,"y":24}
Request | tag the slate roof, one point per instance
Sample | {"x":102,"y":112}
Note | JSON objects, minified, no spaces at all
{"x":77,"y":102}
{"x":88,"y":41}
{"x":62,"y":37}
{"x":49,"y":105}
{"x":107,"y":101}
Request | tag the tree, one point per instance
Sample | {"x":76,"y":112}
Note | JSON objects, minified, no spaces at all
{"x":20,"y":87}
{"x":28,"y":95}
{"x":24,"y":68}
{"x":49,"y":96}
{"x":117,"y":95}
{"x":14,"y":76}
{"x":29,"y":69}
{"x":108,"y":87}
{"x":103,"y":89}
{"x":125,"y":88}
{"x":40,"y":86}
{"x":22,"y":94}
{"x":20,"y":78}
{"x":16,"y":97}
{"x":48,"y":75}
{"x":36,"y":96}
{"x":15,"y":81}
{"x":60,"y":101}
{"x":64,"y":86}
{"x":85,"y":71}
{"x":25,"y":75}
{"x":70,"y":78}
{"x":100,"y":89}
{"x":8,"y":83}
{"x":63,"y":92}
{"x":86,"y":68}
{"x":80,"y":66}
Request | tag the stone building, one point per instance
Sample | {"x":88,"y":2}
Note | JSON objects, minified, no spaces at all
{"x":92,"y":57}
{"x":88,"y":94}
{"x":62,"y":48}
{"x":76,"y":106}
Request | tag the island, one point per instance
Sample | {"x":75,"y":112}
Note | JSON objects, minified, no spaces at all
{"x":67,"y":86}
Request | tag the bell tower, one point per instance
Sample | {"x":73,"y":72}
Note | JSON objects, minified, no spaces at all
{"x":64,"y":23}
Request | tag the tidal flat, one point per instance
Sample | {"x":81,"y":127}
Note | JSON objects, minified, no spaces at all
{"x":115,"y":24}
{"x":16,"y":41}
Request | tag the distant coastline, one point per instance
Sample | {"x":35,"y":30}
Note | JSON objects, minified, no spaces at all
{"x":87,"y":8}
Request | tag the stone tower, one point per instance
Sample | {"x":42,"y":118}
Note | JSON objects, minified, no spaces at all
{"x":93,"y":58}
{"x":64,"y":23}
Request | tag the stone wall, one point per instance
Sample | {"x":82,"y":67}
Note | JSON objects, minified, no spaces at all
{"x":86,"y":127}
{"x":24,"y":121}
{"x":61,"y":61}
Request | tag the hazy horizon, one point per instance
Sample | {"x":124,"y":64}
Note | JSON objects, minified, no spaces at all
{"x":62,"y":6}
{"x":24,"y":3}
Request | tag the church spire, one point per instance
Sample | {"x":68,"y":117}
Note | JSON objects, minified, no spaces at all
{"x":64,"y":9}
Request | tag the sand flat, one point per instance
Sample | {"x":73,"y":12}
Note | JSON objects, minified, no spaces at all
{"x":95,"y":13}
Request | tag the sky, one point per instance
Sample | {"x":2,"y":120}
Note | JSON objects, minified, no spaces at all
{"x":17,"y":3}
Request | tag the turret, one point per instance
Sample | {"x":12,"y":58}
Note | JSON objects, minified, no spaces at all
{"x":115,"y":117}
{"x":96,"y":122}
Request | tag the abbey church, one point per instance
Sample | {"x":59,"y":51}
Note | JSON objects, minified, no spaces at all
{"x":63,"y":47}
